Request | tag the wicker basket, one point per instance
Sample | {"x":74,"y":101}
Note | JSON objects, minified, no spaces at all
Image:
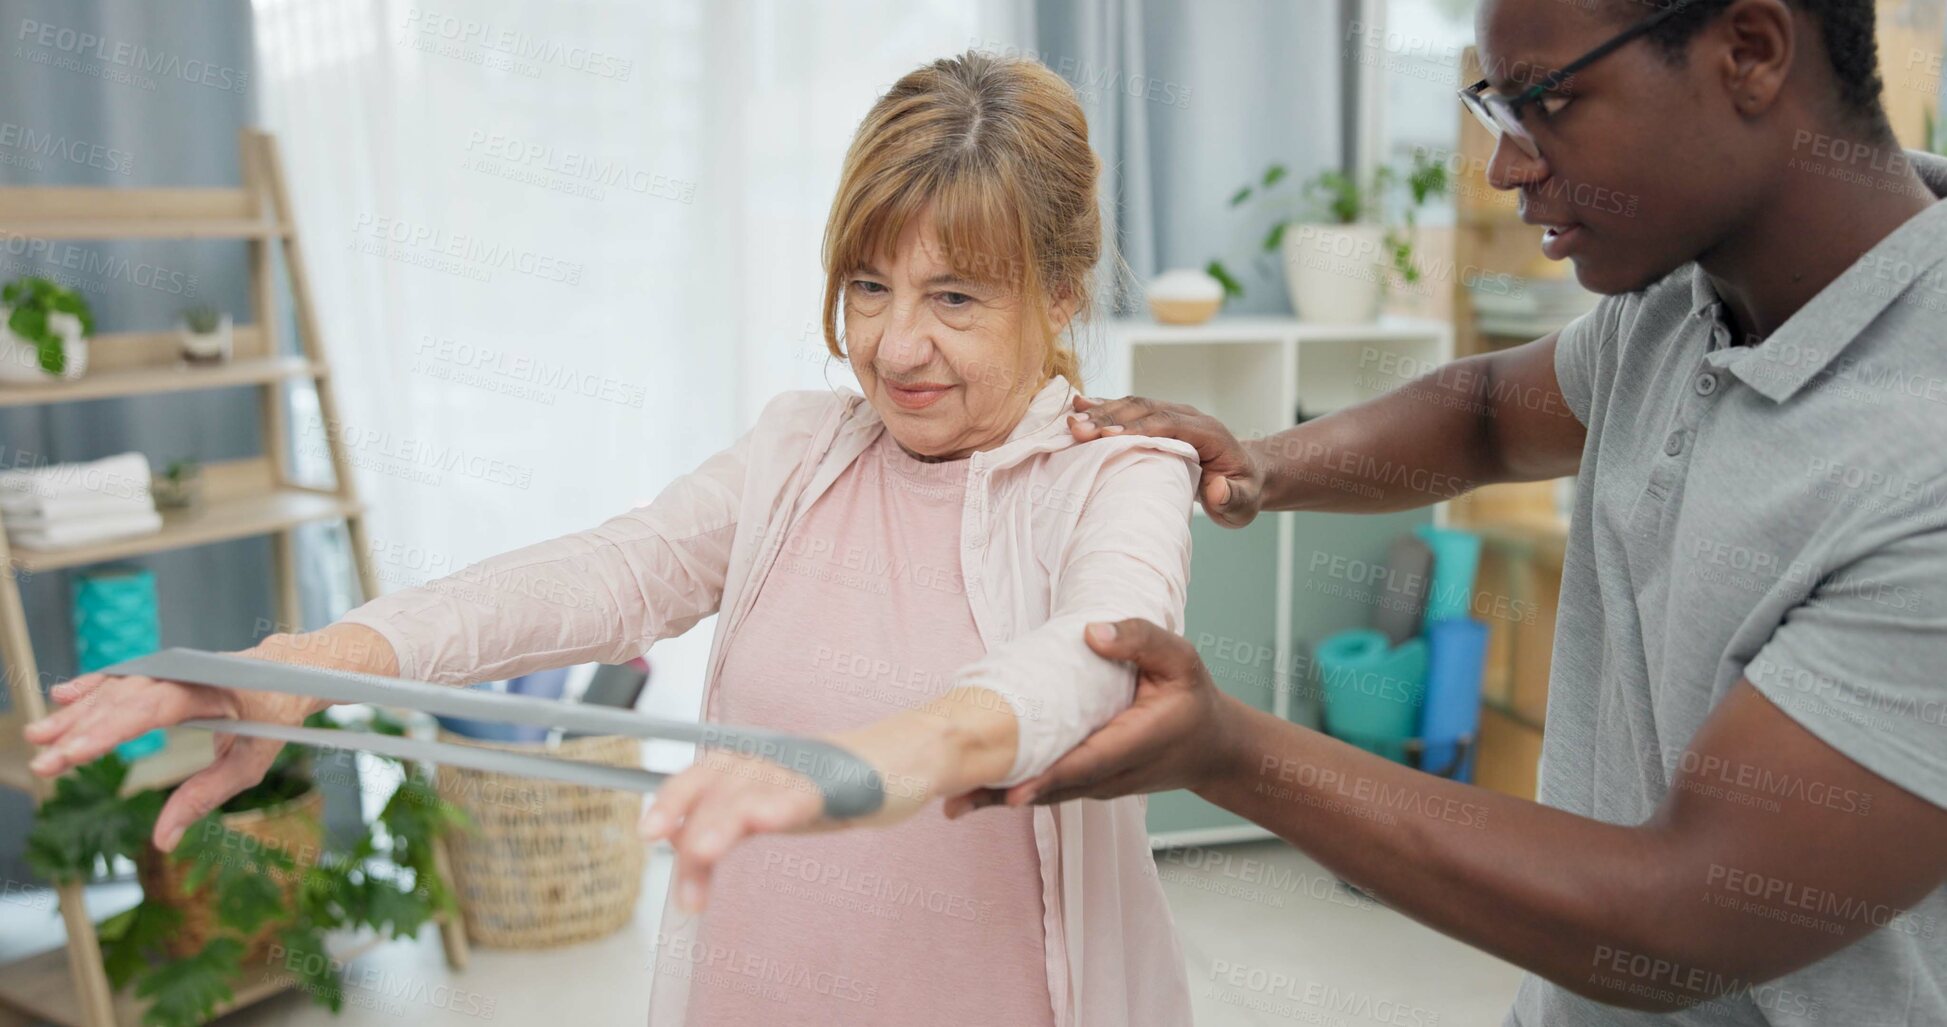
{"x":548,"y":863}
{"x":293,"y":828}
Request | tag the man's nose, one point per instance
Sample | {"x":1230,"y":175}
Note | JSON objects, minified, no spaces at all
{"x":1510,"y":167}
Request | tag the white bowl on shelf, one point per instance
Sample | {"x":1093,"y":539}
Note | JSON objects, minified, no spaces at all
{"x":1185,"y":296}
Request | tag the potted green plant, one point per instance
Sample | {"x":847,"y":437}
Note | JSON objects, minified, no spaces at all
{"x":205,"y":335}
{"x":1336,"y":247}
{"x":44,"y":328}
{"x":247,"y":886}
{"x":179,"y":486}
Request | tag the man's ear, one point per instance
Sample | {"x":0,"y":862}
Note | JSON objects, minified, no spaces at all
{"x":1761,"y":38}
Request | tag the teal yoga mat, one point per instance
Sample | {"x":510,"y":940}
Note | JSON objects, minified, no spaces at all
{"x":1374,"y":691}
{"x":115,"y":619}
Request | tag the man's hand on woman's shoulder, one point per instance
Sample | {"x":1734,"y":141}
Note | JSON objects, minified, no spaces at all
{"x":1232,"y":485}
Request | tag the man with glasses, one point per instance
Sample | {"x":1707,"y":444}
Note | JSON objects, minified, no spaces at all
{"x":1745,"y":764}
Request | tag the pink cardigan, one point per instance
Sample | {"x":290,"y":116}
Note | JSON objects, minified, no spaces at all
{"x":1054,"y":535}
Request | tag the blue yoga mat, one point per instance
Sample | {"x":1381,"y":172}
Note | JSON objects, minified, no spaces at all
{"x":1456,"y":652}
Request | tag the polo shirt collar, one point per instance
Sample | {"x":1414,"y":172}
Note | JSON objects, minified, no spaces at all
{"x":1807,"y":343}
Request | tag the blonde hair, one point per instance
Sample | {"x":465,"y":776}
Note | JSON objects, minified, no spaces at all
{"x":998,"y":147}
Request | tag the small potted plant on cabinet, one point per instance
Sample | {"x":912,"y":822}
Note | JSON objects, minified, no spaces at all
{"x":179,"y":486}
{"x":44,"y":329}
{"x":205,"y":335}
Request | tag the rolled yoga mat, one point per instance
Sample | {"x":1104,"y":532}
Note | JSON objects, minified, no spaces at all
{"x":1374,"y":691}
{"x":1456,"y":651}
{"x":1456,"y":556}
{"x":115,"y":619}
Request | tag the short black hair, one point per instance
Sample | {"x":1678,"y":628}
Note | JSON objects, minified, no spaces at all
{"x":1845,"y":25}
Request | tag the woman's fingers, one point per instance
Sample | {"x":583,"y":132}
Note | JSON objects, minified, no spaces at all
{"x":49,"y":729}
{"x":74,"y":690}
{"x":123,"y":710}
{"x":239,"y":766}
{"x":672,"y":803}
{"x":706,"y":810}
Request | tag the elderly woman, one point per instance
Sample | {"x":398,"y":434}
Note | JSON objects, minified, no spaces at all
{"x":907,"y":573}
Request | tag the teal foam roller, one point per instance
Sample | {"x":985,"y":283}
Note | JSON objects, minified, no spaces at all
{"x":1456,"y":558}
{"x":1374,"y":691}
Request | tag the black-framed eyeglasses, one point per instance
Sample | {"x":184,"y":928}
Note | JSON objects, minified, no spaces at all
{"x":1502,"y":114}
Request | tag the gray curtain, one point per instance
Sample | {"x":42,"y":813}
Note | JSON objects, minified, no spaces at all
{"x":1188,"y":100}
{"x":133,"y":93}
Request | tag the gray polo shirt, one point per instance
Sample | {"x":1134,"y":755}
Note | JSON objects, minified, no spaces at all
{"x":1776,"y":512}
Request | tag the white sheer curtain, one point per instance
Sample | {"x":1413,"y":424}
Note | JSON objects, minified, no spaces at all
{"x":561,"y":253}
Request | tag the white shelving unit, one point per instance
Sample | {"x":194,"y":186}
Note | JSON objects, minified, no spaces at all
{"x":1255,"y":375}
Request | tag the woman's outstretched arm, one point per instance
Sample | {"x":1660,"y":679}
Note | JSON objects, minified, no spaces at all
{"x":602,"y":594}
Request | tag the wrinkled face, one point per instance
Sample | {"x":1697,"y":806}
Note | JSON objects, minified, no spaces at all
{"x":942,"y":359}
{"x":1644,"y":165}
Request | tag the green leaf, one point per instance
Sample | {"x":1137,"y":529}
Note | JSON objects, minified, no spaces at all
{"x":86,"y":823}
{"x":1232,"y":287}
{"x":128,"y":938}
{"x":29,"y":323}
{"x":1274,"y":174}
{"x":307,"y":959}
{"x":186,"y":993}
{"x":397,"y":910}
{"x":240,"y":872}
{"x":1275,"y":237}
{"x":11,"y":293}
{"x":1240,"y":196}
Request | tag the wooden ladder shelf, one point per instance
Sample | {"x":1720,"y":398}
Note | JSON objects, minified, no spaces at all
{"x":241,"y":499}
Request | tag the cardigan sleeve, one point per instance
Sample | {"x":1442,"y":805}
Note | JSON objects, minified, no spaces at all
{"x":1129,"y":556}
{"x":604,"y":594}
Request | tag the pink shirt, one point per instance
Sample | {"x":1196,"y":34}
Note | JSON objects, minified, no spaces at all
{"x":928,"y":921}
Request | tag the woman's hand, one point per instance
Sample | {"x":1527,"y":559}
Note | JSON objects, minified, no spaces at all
{"x":1232,"y":486}
{"x":944,"y":748}
{"x":100,"y":711}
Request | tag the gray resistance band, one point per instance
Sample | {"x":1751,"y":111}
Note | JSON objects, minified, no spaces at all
{"x":850,"y":786}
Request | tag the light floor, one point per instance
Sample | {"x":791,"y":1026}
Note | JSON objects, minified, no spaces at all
{"x":1269,"y":937}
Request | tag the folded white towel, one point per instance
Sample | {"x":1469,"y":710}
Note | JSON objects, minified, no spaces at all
{"x":40,"y":513}
{"x":81,"y":532}
{"x":123,"y":475}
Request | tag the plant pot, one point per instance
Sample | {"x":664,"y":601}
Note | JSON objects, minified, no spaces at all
{"x":20,"y":359}
{"x":292,"y":827}
{"x":1336,"y":273}
{"x":177,"y":493}
{"x":211,"y":347}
